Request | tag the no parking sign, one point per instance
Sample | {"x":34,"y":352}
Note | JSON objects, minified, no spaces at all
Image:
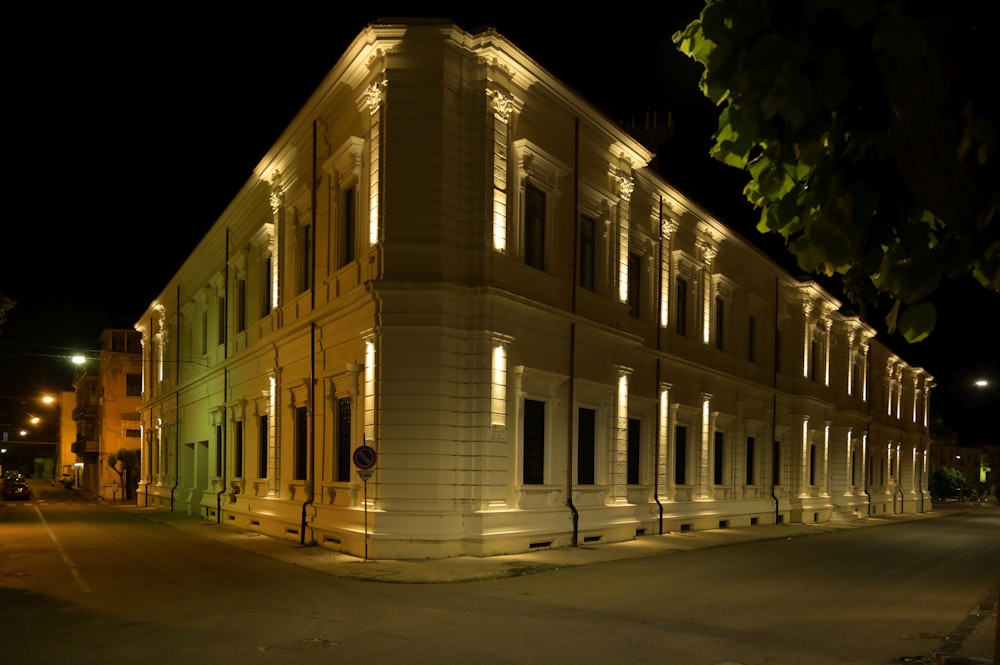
{"x":365,"y":458}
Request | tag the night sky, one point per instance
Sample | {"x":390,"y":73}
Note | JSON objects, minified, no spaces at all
{"x":120,"y":126}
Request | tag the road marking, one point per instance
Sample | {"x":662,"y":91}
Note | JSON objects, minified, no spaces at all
{"x":62,"y":552}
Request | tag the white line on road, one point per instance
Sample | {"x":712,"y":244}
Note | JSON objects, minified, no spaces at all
{"x":62,"y":552}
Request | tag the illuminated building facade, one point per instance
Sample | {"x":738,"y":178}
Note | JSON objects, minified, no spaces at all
{"x":106,"y":413}
{"x":450,"y":257}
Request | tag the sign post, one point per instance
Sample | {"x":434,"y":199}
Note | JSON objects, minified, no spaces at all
{"x":364,"y":458}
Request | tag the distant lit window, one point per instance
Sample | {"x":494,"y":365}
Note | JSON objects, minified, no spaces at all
{"x":133,"y":385}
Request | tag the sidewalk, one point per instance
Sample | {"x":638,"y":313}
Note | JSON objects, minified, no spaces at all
{"x":972,"y":642}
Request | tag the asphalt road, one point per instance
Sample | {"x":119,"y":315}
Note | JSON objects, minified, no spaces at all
{"x":84,"y":583}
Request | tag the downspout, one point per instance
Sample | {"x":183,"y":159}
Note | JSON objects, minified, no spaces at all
{"x":177,"y":406}
{"x":225,"y":382}
{"x":149,"y":387}
{"x":868,"y":432}
{"x":774,"y":403}
{"x":310,"y":449}
{"x":572,"y":333}
{"x":656,"y":387}
{"x":222,"y":455}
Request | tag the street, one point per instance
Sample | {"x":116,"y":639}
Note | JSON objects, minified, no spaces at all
{"x":83,"y":582}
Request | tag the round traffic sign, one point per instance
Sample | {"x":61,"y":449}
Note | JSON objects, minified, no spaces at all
{"x":365,"y":457}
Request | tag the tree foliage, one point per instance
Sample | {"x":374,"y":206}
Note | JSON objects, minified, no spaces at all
{"x":947,"y":483}
{"x":125,"y":463}
{"x":868,"y":131}
{"x":6,"y":304}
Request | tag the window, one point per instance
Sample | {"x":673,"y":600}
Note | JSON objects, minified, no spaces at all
{"x":133,"y":385}
{"x":348,"y":225}
{"x":133,"y":432}
{"x":342,"y":473}
{"x":534,"y":227}
{"x":812,"y":464}
{"x":238,"y":450}
{"x":534,"y":442}
{"x":681,"y":303}
{"x":680,"y":455}
{"x":221,"y":303}
{"x":266,"y":286}
{"x":854,"y":463}
{"x":719,"y":459}
{"x":305,"y":258}
{"x":752,"y":339}
{"x":301,"y":442}
{"x":262,"y":436}
{"x":586,"y":447}
{"x":857,"y":377}
{"x":720,"y":323}
{"x":634,"y":281}
{"x":813,"y":360}
{"x":218,"y":450}
{"x":588,"y":252}
{"x":204,"y":332}
{"x":241,"y":305}
{"x":632,"y":461}
{"x":776,"y":463}
{"x":751,"y":461}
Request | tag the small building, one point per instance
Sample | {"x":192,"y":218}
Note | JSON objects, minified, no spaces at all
{"x":453,"y":261}
{"x":108,"y":389}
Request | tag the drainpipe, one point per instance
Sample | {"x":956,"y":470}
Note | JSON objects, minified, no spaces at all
{"x":225,"y":384}
{"x":656,"y":387}
{"x":575,"y":539}
{"x":222,"y":455}
{"x":177,"y":405}
{"x":774,"y":402}
{"x":310,"y":450}
{"x":310,"y":479}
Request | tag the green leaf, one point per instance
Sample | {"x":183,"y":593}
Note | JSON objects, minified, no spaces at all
{"x":917,"y":322}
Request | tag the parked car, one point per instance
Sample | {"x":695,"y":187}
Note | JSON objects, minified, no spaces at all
{"x":17,"y":491}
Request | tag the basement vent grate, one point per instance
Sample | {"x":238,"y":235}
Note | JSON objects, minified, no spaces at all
{"x":535,"y":546}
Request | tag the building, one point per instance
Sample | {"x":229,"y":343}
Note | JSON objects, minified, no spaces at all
{"x":451,"y":258}
{"x":108,"y":392}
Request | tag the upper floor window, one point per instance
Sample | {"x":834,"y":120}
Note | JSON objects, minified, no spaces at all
{"x":304,"y":258}
{"x":266,"y":285}
{"x":241,"y":305}
{"x":681,"y":306}
{"x":634,"y":282}
{"x":221,"y":329}
{"x":348,"y":225}
{"x":720,"y":322}
{"x":588,"y":252}
{"x":133,"y":385}
{"x":534,"y":227}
